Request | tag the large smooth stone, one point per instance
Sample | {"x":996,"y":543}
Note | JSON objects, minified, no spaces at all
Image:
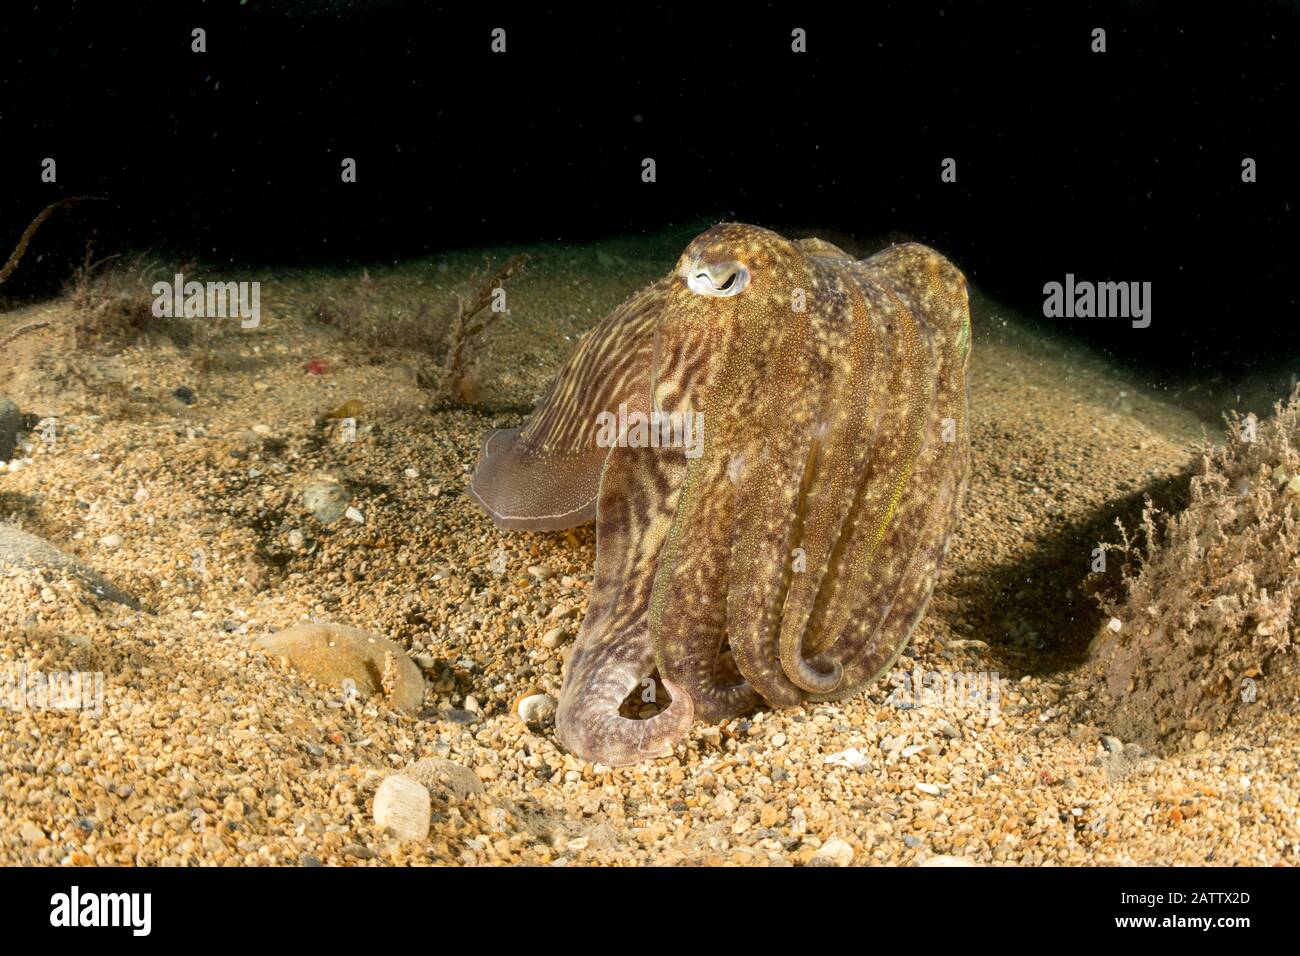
{"x":28,"y":551}
{"x":333,"y":653}
{"x":445,"y":777}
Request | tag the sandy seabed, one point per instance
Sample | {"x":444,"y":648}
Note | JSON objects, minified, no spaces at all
{"x":208,"y":751}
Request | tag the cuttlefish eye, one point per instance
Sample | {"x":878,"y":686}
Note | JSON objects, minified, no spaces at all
{"x":717,"y":279}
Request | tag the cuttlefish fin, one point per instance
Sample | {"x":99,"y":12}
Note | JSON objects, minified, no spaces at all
{"x":545,"y":474}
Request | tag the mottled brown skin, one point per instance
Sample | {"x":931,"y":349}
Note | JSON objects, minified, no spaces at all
{"x":791,"y":560}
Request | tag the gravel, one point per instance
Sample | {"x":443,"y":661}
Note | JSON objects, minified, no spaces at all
{"x":209,"y":751}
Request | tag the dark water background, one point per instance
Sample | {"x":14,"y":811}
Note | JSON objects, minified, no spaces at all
{"x":1119,"y":166}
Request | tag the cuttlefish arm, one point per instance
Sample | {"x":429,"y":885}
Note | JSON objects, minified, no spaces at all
{"x":725,"y":563}
{"x":808,"y":536}
{"x":817,"y":417}
{"x":869,"y":628}
{"x":871,"y":569}
{"x":718,"y":323}
{"x":545,"y":474}
{"x":613,"y":655}
{"x":869,"y":416}
{"x":767,"y":406}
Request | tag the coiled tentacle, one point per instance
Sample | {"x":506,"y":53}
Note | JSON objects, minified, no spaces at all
{"x":613,"y":655}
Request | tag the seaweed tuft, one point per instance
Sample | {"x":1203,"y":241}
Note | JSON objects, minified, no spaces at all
{"x":1204,"y":632}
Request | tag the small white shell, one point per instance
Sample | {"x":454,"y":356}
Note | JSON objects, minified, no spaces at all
{"x":536,"y":708}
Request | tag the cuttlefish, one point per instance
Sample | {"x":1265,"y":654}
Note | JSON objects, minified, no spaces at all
{"x":773,"y":508}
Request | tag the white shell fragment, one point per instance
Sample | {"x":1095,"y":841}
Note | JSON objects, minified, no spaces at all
{"x":853,"y":758}
{"x":403,"y":806}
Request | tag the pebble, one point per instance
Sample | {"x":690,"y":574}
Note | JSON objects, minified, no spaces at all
{"x":326,"y":499}
{"x":28,"y":551}
{"x":536,"y":709}
{"x":111,"y":541}
{"x":403,"y":806}
{"x":553,"y":637}
{"x":834,"y":852}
